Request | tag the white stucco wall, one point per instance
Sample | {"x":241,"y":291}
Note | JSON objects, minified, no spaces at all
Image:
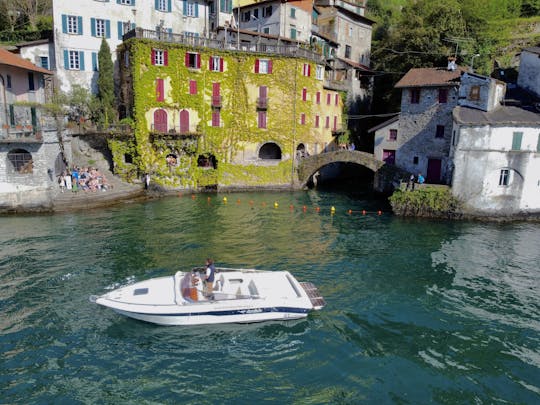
{"x":479,"y":155}
{"x":142,"y":14}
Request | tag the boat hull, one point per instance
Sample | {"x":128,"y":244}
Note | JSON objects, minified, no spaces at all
{"x":253,"y":316}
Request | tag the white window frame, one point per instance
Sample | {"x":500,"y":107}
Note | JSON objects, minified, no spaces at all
{"x":190,"y":9}
{"x":319,"y":72}
{"x":216,"y":63}
{"x":162,"y":5}
{"x":72,"y":24}
{"x":74,"y":60}
{"x":263,"y":66}
{"x":159,"y":57}
{"x":504,"y":177}
{"x":100,"y":27}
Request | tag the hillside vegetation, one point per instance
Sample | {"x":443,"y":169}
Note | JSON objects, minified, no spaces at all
{"x":424,"y":33}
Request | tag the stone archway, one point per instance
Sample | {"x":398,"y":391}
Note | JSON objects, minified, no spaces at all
{"x":21,"y":161}
{"x":270,"y":151}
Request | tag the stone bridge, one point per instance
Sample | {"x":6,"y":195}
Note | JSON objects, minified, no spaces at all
{"x":384,"y":175}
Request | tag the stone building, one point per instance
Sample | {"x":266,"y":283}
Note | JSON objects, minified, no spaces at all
{"x":529,"y":68}
{"x":30,"y":153}
{"x":207,"y":116}
{"x":495,"y":149}
{"x":423,"y":136}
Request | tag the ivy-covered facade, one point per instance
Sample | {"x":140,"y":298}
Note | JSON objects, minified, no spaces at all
{"x":206,"y":116}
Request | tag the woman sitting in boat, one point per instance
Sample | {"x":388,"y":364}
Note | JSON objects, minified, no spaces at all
{"x":209,"y":277}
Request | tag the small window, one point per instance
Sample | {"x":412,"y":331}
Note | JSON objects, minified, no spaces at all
{"x":474,"y":94}
{"x":415,"y":160}
{"x":74,"y":62}
{"x":516,"y":140}
{"x":302,"y":119}
{"x":306,"y":71}
{"x":162,"y":5}
{"x":504,"y":177}
{"x":72,"y":24}
{"x":263,"y":66}
{"x":439,"y":133}
{"x":267,"y":11}
{"x":347,"y":52}
{"x":216,"y":118}
{"x":31,"y":83}
{"x":125,"y":2}
{"x":44,"y":62}
{"x":327,"y":123}
{"x":140,"y":291}
{"x":293,"y":12}
{"x":261,"y":119}
{"x":318,"y":97}
{"x":293,"y":32}
{"x":392,"y":135}
{"x":192,"y":87}
{"x":159,"y":57}
{"x":191,"y":9}
{"x":8,"y":81}
{"x":319,"y":74}
{"x":317,"y":121}
{"x":415,"y":96}
{"x":336,"y":99}
{"x":193,"y":60}
{"x":128,"y":158}
{"x":266,"y":30}
{"x":304,"y":94}
{"x":99,"y":27}
{"x":246,"y":16}
{"x":443,"y":96}
{"x":328,"y":99}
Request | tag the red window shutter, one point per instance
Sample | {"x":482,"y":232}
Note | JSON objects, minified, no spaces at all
{"x":335,"y":123}
{"x":262,"y":119}
{"x":221,"y":64}
{"x":269,"y":66}
{"x":192,"y":87}
{"x":215,"y":89}
{"x":256,"y":65}
{"x":327,"y":122}
{"x":262,"y":91}
{"x":317,"y":121}
{"x":165,"y":58}
{"x":304,"y":94}
{"x":153,"y":56}
{"x":211,"y":63}
{"x":186,"y":59}
{"x":328,"y":97}
{"x":198,"y":60}
{"x":160,"y":90}
{"x":215,"y":118}
{"x":303,"y":119}
{"x":318,"y":97}
{"x":336,"y":100}
{"x":309,"y":70}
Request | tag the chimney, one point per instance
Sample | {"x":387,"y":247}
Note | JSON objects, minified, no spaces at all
{"x":451,"y":64}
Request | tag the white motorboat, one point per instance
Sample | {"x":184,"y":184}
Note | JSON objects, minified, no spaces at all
{"x":239,"y":296}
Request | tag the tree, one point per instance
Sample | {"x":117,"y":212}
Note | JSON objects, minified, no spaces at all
{"x":105,"y":84}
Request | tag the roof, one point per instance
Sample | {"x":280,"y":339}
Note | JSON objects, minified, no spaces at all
{"x":354,"y":64}
{"x":385,"y":123}
{"x":430,"y":77}
{"x":503,"y":115}
{"x":10,"y":59}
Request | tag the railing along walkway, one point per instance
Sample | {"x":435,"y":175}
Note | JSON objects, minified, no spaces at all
{"x":203,"y":42}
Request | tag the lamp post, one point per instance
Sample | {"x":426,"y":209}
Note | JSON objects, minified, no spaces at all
{"x":472,"y":61}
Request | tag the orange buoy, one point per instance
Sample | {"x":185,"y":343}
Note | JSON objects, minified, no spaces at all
{"x":304,"y":208}
{"x":238,"y":201}
{"x":379,"y":212}
{"x":250,"y":202}
{"x":192,"y":196}
{"x":291,"y":207}
{"x":264,"y":204}
{"x":208,"y":199}
{"x":317,"y":209}
{"x":363,"y":212}
{"x":350,"y":212}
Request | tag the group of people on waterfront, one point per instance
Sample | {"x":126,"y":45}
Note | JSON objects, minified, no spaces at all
{"x":413,"y":180}
{"x":85,"y":179}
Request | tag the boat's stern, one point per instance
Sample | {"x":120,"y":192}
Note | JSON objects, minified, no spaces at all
{"x":312,"y":292}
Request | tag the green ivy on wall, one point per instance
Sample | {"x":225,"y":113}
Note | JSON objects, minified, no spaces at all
{"x":238,"y":114}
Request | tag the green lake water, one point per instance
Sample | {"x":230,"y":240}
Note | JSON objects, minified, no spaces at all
{"x":418,"y":311}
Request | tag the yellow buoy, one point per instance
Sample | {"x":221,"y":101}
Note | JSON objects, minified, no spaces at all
{"x":333,"y":210}
{"x":276,"y":204}
{"x":225,"y":200}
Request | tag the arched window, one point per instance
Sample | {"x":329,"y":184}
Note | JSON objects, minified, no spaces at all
{"x":270,"y":150}
{"x":160,"y":120}
{"x":21,"y":161}
{"x":184,"y":121}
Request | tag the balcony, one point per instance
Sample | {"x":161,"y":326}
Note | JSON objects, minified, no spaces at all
{"x":206,"y":42}
{"x":262,"y":103}
{"x":216,"y":101}
{"x":20,"y":134}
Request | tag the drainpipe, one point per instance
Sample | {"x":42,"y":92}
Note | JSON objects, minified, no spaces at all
{"x":4,"y":98}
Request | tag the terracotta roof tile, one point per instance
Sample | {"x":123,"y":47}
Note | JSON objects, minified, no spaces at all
{"x":10,"y":59}
{"x":426,"y":77}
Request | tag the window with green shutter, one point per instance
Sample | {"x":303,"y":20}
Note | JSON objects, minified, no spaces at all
{"x":516,"y":140}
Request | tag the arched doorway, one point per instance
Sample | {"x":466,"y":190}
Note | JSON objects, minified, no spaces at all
{"x":160,"y":120}
{"x":270,"y":150}
{"x":21,"y":161}
{"x":184,"y":121}
{"x":207,"y":161}
{"x":301,"y":151}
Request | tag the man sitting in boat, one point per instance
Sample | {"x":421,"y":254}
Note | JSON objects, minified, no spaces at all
{"x":209,"y":277}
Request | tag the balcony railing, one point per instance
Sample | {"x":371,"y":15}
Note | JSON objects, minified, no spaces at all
{"x":20,"y":133}
{"x":216,"y":101}
{"x":279,"y":49}
{"x":262,"y":103}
